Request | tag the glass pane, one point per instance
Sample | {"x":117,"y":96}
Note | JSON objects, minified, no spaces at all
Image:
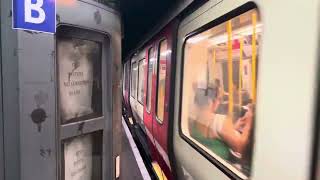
{"x":162,"y":63}
{"x":80,"y":86}
{"x":124,"y":78}
{"x":141,"y":81}
{"x":219,"y":90}
{"x":150,"y":71}
{"x":134,"y":80}
{"x":82,"y":157}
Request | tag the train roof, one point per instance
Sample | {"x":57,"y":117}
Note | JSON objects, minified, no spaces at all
{"x":171,"y":14}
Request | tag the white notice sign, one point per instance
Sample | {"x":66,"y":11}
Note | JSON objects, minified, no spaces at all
{"x":78,"y":158}
{"x":75,"y":77}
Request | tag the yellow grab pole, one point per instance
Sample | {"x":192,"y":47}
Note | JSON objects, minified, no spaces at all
{"x":240,"y":70}
{"x":254,"y":54}
{"x":213,"y":61}
{"x":230,"y":72}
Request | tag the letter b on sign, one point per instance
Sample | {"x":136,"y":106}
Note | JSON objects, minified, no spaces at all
{"x":35,"y":15}
{"x":37,"y":7}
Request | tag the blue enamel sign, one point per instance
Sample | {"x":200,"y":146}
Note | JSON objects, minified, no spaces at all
{"x":34,"y":15}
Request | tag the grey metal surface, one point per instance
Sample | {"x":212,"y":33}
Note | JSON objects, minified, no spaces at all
{"x":28,"y":73}
{"x":1,"y":112}
{"x":36,"y":80}
{"x":10,"y":94}
{"x":96,"y":17}
{"x":101,"y":123}
{"x":88,"y":126}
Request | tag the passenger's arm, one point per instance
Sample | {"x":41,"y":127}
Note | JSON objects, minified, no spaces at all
{"x":234,"y":139}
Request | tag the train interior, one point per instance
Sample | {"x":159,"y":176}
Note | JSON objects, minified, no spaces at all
{"x":218,"y":86}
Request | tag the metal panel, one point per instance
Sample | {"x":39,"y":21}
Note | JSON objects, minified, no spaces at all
{"x":29,"y":84}
{"x":36,"y":84}
{"x":10,"y":96}
{"x":88,"y":126}
{"x":96,"y":17}
{"x":1,"y":112}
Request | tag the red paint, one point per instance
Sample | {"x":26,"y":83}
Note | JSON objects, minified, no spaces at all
{"x":158,"y":131}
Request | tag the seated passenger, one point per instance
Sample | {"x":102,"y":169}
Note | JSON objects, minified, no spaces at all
{"x":218,"y":132}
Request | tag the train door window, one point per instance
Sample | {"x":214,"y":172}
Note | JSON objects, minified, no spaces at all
{"x":149,"y":80}
{"x":161,"y":84}
{"x":141,"y":81}
{"x":219,"y":91}
{"x":134,"y":73}
{"x":80,"y":89}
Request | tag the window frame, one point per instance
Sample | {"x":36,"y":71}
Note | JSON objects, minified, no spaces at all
{"x":315,"y":162}
{"x":138,"y":82}
{"x":93,"y":125}
{"x":157,"y":89}
{"x":131,"y":84}
{"x":94,"y":36}
{"x":124,"y":78}
{"x":148,"y":71}
{"x":213,"y":23}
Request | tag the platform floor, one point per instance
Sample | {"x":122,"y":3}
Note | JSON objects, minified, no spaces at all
{"x":132,"y":166}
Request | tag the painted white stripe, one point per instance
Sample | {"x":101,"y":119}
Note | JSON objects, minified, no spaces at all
{"x":134,"y":148}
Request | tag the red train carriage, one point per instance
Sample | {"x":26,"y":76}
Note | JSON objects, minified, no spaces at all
{"x":150,"y":77}
{"x":194,"y":101}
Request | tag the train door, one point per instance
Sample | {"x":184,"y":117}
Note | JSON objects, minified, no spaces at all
{"x":127,"y":83}
{"x":214,"y":122}
{"x":133,"y":87}
{"x":149,"y":93}
{"x":162,"y":92}
{"x":137,"y":87}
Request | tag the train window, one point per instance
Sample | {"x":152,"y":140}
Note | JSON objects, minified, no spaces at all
{"x":80,"y":85}
{"x":134,"y":79}
{"x":141,"y":81}
{"x":161,"y":85}
{"x":219,"y":91}
{"x":149,"y":80}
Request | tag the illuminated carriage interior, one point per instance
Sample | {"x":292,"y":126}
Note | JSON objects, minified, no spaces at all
{"x":219,"y":88}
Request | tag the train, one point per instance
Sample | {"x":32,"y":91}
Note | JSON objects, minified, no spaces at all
{"x":228,"y":90}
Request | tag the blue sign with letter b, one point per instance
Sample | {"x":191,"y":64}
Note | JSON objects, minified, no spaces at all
{"x":35,"y":15}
